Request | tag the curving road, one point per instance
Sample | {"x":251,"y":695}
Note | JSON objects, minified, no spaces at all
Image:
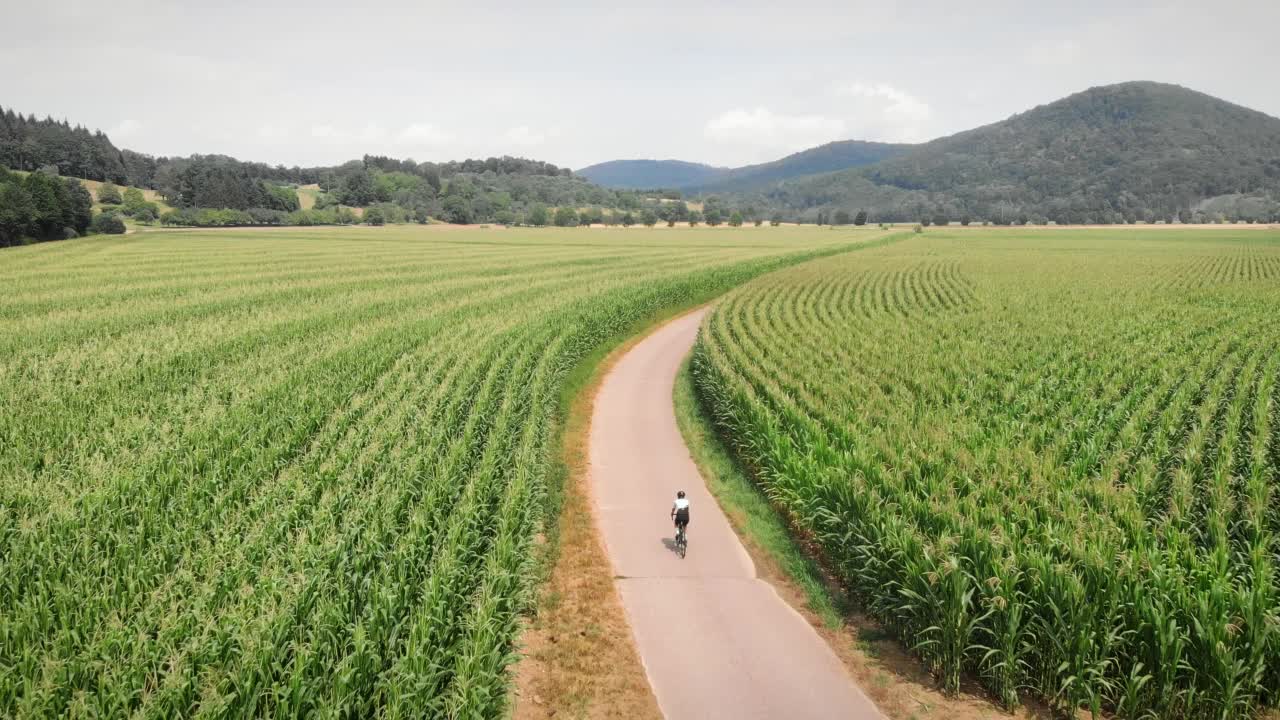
{"x":716,"y":641}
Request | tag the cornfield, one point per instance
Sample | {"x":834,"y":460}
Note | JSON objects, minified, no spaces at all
{"x":1045,"y":461}
{"x":300,"y":473}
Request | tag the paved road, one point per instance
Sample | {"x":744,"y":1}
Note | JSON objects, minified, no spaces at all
{"x":716,"y":641}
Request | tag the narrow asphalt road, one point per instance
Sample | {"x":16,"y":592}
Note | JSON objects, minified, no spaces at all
{"x":716,"y":641}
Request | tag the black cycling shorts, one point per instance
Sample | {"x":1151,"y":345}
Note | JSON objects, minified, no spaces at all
{"x":682,"y":516}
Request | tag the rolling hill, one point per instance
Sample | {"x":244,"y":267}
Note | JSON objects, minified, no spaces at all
{"x":1137,"y":150}
{"x":839,"y":155}
{"x":650,"y":174}
{"x":695,"y":177}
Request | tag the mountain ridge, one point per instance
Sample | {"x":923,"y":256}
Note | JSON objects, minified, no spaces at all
{"x":643,"y":174}
{"x":828,"y":157}
{"x":646,"y":174}
{"x":1113,"y":153}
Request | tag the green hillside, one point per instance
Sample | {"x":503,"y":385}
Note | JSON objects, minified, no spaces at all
{"x":1133,"y":151}
{"x":839,"y":155}
{"x":649,"y":174}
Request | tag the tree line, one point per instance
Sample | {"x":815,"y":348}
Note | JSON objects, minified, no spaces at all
{"x":40,"y":205}
{"x":28,"y":143}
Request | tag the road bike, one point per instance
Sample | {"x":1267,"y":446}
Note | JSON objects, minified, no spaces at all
{"x":682,"y":541}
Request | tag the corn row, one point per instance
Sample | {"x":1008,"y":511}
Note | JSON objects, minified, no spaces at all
{"x":1046,"y":463}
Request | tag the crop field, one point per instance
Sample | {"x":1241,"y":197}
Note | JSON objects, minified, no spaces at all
{"x":1048,"y":461}
{"x":301,"y":472}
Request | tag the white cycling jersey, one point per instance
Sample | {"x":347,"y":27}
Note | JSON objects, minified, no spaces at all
{"x":681,"y":504}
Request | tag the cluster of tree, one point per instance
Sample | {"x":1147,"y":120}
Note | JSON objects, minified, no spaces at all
{"x":131,"y":203}
{"x":158,"y":172}
{"x":506,"y":192}
{"x":842,"y":217}
{"x":230,"y":217}
{"x":489,"y":190}
{"x":41,"y":206}
{"x":495,"y":189}
{"x":505,"y":165}
{"x":216,"y":181}
{"x":27,"y":143}
{"x":649,"y":212}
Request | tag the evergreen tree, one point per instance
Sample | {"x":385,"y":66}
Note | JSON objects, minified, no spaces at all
{"x":16,"y":213}
{"x":109,"y":194}
{"x":80,"y":203}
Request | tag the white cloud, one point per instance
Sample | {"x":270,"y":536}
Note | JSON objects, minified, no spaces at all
{"x":125,"y":128}
{"x":523,"y":136}
{"x":272,"y":131}
{"x":763,"y":128}
{"x":858,"y":111}
{"x":373,"y":137}
{"x":1062,"y":54}
{"x":424,"y":134}
{"x":371,"y":133}
{"x":879,"y":111}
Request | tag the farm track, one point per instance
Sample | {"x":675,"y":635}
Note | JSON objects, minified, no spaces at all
{"x":716,"y":641}
{"x":1054,"y":470}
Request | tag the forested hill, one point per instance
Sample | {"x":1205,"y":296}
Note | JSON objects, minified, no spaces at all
{"x":28,"y":143}
{"x":839,"y":155}
{"x":1137,"y":150}
{"x":221,"y":190}
{"x":698,"y":178}
{"x":650,"y":174}
{"x":1163,"y":144}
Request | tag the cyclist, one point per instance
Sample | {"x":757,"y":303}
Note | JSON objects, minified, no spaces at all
{"x":680,"y":512}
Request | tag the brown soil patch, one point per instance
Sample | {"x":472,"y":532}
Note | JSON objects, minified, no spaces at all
{"x":579,"y":659}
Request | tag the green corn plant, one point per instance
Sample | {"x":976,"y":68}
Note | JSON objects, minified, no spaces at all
{"x":1099,"y":441}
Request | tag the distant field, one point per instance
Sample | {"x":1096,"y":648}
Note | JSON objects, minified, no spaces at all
{"x":1047,"y":460}
{"x":149,"y":195}
{"x":307,"y":195}
{"x":300,"y":472}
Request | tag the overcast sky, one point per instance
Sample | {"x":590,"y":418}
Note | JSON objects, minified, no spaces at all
{"x":727,"y":83}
